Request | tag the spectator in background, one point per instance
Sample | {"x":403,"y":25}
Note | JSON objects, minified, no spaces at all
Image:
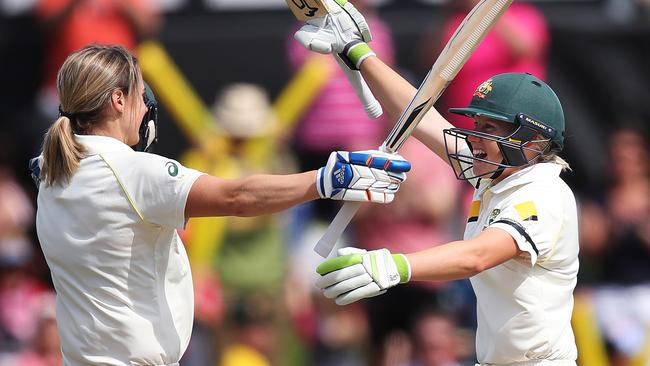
{"x":45,"y":348}
{"x":70,"y":25}
{"x":21,"y":292}
{"x":20,"y":296}
{"x":517,"y":43}
{"x":622,"y":303}
{"x":251,"y":255}
{"x":628,"y":203}
{"x":246,"y":254}
{"x":340,"y":335}
{"x":436,"y":339}
{"x":595,"y":228}
{"x":253,"y":331}
{"x":433,"y":339}
{"x":337,"y":105}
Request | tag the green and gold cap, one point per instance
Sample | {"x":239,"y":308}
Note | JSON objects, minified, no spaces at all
{"x":511,"y":96}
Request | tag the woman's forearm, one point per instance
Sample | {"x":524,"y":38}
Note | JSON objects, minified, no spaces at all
{"x":264,"y":194}
{"x":395,"y":93}
{"x":250,"y":196}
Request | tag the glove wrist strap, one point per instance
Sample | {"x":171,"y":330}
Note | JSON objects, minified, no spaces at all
{"x":320,"y":182}
{"x":355,"y":53}
{"x":403,"y":267}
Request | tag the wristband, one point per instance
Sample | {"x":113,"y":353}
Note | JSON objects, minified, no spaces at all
{"x":355,"y":53}
{"x":403,"y":267}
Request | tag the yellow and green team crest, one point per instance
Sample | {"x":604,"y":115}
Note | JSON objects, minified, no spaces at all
{"x":493,"y":215}
{"x":483,"y":89}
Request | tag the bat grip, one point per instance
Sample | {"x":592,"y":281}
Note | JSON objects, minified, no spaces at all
{"x":335,"y":230}
{"x":370,"y":103}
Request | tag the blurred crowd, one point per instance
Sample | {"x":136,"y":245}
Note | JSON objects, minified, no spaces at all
{"x":256,"y":303}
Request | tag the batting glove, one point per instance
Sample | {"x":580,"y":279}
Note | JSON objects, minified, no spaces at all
{"x":357,"y":274}
{"x":362,"y":176}
{"x":344,"y":31}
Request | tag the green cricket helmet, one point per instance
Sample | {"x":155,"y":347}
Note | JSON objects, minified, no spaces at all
{"x":517,"y":98}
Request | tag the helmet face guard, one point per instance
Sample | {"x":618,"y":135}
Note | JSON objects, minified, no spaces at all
{"x":512,"y":147}
{"x":149,"y":127}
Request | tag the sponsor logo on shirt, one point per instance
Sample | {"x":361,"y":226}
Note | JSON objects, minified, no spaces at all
{"x":172,"y":168}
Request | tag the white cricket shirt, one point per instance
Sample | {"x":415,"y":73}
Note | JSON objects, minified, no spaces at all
{"x":524,"y":305}
{"x":121,"y":273}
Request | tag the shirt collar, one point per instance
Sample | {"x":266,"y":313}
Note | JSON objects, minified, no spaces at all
{"x":524,"y":176}
{"x":95,"y":144}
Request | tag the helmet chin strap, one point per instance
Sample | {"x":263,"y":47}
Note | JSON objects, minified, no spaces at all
{"x":497,"y":173}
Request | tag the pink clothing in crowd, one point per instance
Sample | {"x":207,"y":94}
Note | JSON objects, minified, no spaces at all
{"x":495,"y":55}
{"x":336,"y":119}
{"x":21,"y":298}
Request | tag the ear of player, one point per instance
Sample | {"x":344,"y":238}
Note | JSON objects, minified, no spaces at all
{"x":343,"y":31}
{"x":362,"y":176}
{"x":356,"y":274}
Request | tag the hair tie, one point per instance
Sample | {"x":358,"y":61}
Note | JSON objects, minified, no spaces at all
{"x":65,"y":114}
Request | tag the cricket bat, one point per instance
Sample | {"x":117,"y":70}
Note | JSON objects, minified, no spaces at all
{"x":305,"y":10}
{"x":459,"y":48}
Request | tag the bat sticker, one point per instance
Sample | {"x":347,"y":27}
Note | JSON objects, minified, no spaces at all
{"x":304,"y":6}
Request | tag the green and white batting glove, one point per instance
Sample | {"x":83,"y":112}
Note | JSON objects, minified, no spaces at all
{"x":357,"y":274}
{"x":343,"y":31}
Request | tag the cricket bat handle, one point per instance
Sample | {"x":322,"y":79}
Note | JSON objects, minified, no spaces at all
{"x":370,"y":103}
{"x":337,"y":227}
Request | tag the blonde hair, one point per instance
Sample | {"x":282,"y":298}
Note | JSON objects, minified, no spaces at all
{"x":552,"y":157}
{"x":85,"y":83}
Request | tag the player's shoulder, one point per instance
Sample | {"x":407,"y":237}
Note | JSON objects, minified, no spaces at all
{"x":544,"y":188}
{"x":141,"y":165}
{"x":541,"y":180}
{"x":548,"y":193}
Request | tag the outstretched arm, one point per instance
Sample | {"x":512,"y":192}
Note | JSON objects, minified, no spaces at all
{"x":350,"y":176}
{"x":395,"y":93}
{"x":333,"y":34}
{"x":463,"y":259}
{"x":356,"y":274}
{"x":250,"y":196}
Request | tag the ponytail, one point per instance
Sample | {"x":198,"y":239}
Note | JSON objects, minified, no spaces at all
{"x":61,"y":153}
{"x":85,"y":83}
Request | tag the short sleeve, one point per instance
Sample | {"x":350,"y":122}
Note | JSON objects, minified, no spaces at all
{"x":157,"y":186}
{"x":532,"y":221}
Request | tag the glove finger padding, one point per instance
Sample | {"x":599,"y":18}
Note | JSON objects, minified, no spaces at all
{"x":366,"y":195}
{"x":347,"y":285}
{"x":342,"y":274}
{"x":315,"y":39}
{"x":349,"y":251}
{"x":340,"y":31}
{"x":369,"y":290}
{"x":352,"y":18}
